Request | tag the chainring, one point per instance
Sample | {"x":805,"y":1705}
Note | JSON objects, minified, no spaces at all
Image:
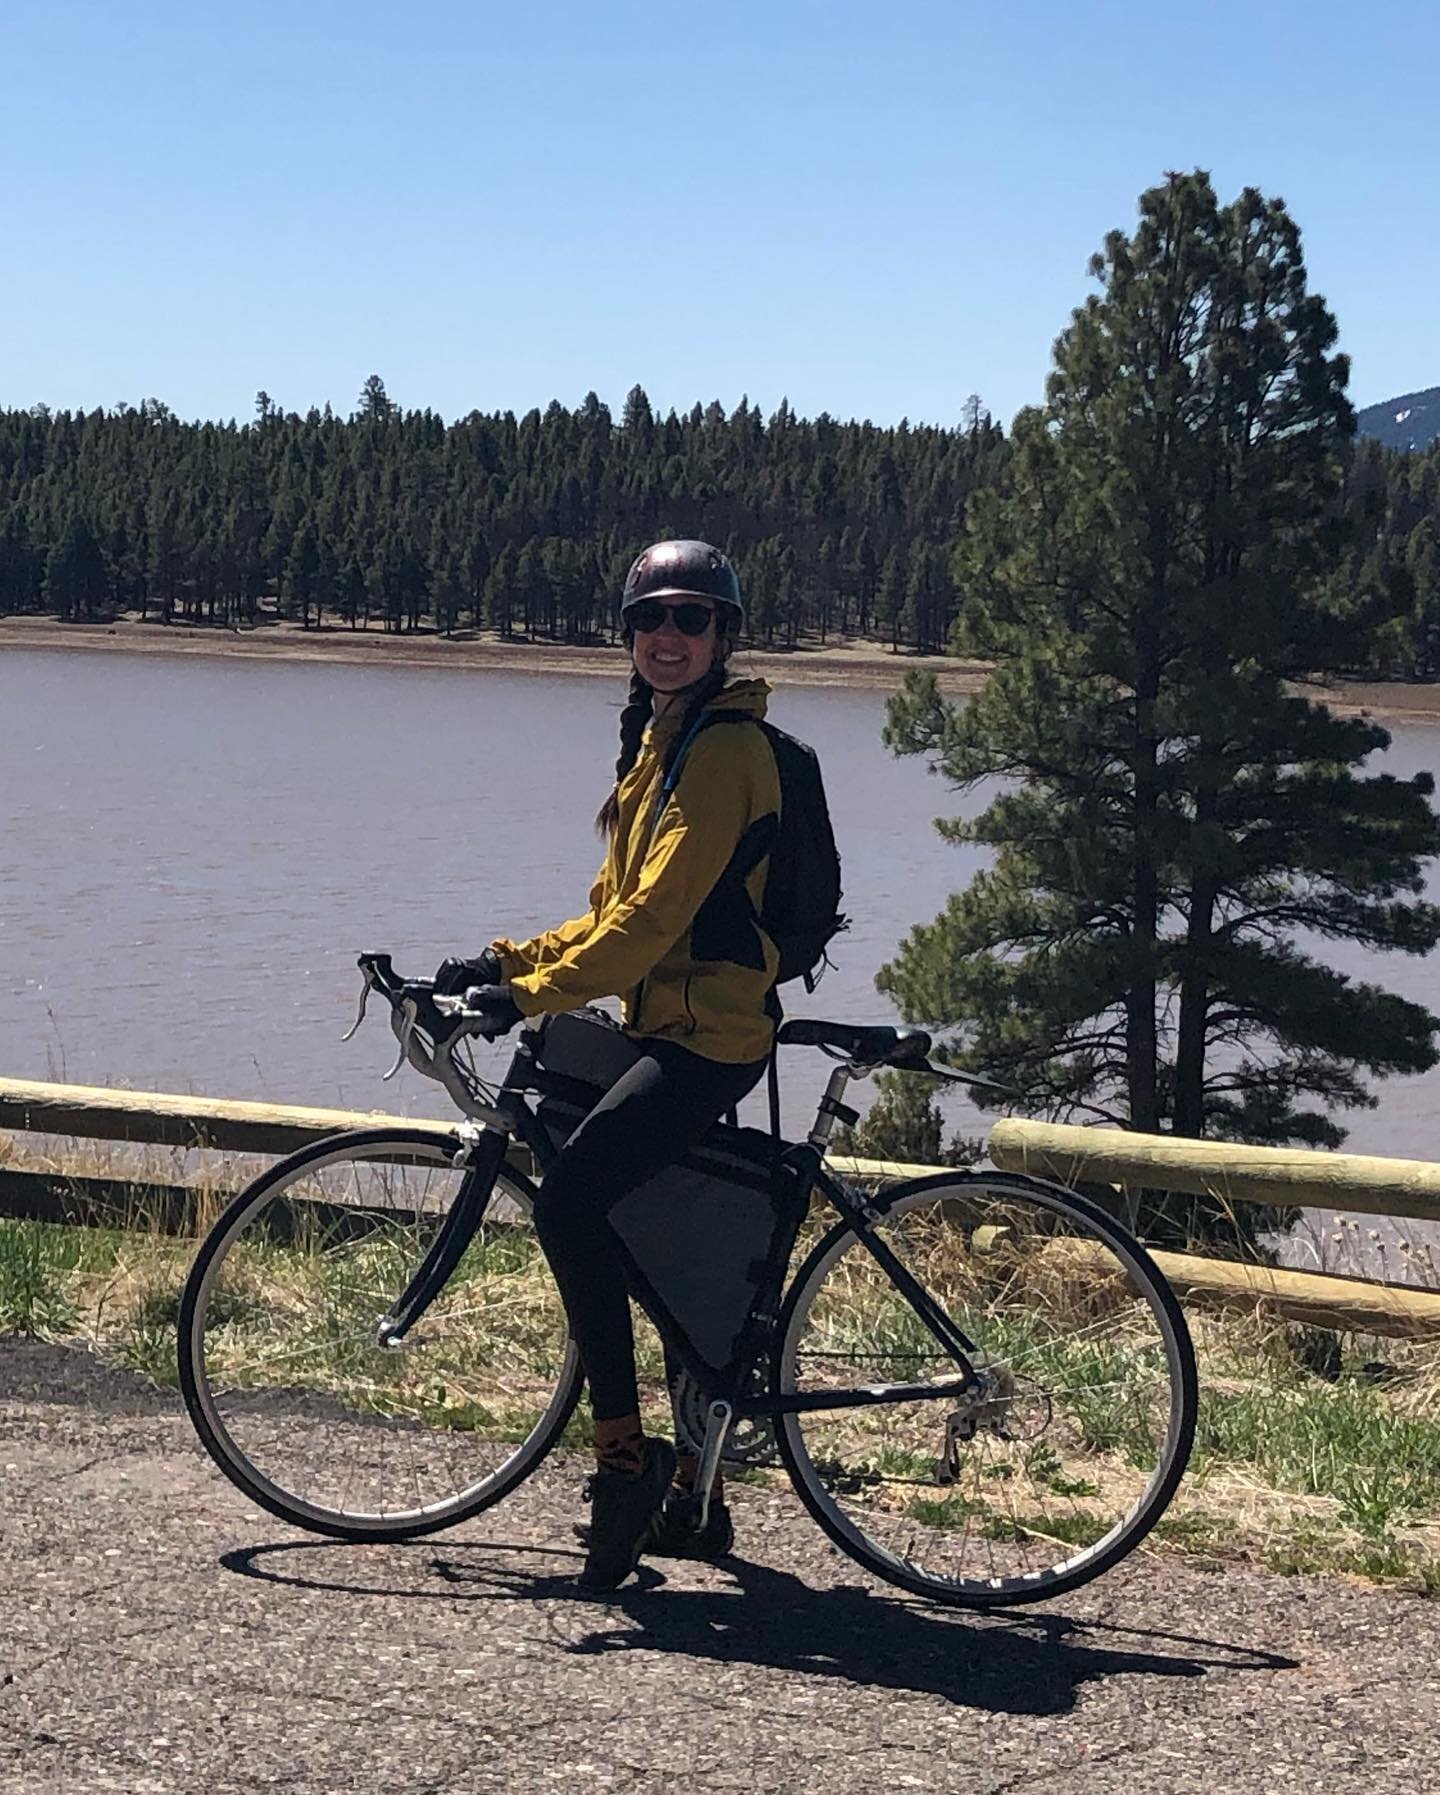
{"x":751,"y":1440}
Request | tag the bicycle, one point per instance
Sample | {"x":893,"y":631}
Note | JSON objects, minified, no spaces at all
{"x":978,"y":1383}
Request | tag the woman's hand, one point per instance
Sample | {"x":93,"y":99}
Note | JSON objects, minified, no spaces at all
{"x":454,"y":976}
{"x":496,"y":1005}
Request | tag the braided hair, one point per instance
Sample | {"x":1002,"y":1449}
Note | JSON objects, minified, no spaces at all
{"x":639,"y":708}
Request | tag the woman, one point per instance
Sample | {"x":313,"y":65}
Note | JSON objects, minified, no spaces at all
{"x":673,"y":930}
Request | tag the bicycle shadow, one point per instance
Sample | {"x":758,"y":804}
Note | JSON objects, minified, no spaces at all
{"x":1005,"y":1663}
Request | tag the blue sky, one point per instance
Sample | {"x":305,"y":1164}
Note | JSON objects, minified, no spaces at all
{"x":872,"y":209}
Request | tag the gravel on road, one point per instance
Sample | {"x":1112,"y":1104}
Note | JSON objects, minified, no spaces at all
{"x":160,"y":1634}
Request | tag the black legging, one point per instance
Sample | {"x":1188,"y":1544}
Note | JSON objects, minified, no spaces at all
{"x":667,"y":1101}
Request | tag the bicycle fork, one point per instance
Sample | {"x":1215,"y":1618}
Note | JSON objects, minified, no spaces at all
{"x":448,"y":1247}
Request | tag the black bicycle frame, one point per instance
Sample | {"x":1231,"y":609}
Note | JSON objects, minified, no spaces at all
{"x":451,"y":1239}
{"x":473,"y":1198}
{"x":807,"y":1160}
{"x":467,"y":1211}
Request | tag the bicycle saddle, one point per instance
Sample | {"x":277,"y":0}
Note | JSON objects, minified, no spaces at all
{"x":867,"y":1046}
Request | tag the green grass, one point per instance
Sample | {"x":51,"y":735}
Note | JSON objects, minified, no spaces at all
{"x":1071,"y":1529}
{"x":1348,"y":1441}
{"x":34,"y":1268}
{"x":1308,"y":1461}
{"x":945,"y":1511}
{"x":1315,"y":1552}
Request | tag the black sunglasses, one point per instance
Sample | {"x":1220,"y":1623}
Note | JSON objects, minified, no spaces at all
{"x":689,"y":619}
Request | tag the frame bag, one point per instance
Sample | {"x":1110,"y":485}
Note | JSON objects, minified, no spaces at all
{"x":706,"y":1241}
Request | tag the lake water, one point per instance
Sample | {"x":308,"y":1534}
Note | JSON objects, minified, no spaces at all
{"x":194,"y":850}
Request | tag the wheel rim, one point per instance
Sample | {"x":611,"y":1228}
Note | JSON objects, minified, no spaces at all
{"x":301,"y":1404}
{"x":1086,"y":1364}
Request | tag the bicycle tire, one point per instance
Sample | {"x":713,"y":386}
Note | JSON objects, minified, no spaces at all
{"x":973,"y":1196}
{"x":203,"y":1323}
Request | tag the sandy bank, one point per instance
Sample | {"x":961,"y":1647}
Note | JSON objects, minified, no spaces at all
{"x":859,"y":667}
{"x":851,"y":666}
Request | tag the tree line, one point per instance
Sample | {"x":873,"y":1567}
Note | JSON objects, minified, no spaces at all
{"x":524,"y":526}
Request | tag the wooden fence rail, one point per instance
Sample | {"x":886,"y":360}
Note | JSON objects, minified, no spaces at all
{"x":1232,"y":1172}
{"x":167,"y":1119}
{"x":1066,"y":1154}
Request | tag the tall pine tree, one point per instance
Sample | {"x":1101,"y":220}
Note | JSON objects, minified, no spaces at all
{"x":1178,"y":829}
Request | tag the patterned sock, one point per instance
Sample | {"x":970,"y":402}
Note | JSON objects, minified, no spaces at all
{"x":620,"y":1446}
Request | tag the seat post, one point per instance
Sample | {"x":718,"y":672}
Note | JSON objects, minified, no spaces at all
{"x":832,"y":1108}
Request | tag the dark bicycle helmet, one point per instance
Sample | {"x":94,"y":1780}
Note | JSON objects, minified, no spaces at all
{"x":673,"y":569}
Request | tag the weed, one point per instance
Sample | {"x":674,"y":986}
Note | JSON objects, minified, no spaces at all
{"x":34,"y":1297}
{"x":947,"y":1511}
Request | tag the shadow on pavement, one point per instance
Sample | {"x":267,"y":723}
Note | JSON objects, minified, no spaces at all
{"x":1010,"y":1662}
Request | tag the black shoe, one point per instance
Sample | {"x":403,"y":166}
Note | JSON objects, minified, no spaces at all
{"x":677,"y":1533}
{"x":622,"y":1510}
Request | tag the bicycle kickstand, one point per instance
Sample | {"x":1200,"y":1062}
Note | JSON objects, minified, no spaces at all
{"x":717,"y":1426}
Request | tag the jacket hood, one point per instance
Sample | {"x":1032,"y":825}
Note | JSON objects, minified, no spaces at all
{"x":748,"y":695}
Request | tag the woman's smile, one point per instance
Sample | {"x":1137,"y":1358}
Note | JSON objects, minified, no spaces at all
{"x":670,"y":660}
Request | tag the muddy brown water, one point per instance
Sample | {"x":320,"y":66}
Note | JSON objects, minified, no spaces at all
{"x":194,"y":850}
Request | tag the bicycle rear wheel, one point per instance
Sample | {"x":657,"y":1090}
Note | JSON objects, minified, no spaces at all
{"x":1067,"y":1455}
{"x":291,"y":1391}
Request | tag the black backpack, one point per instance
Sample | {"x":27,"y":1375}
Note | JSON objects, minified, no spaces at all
{"x":801,"y":913}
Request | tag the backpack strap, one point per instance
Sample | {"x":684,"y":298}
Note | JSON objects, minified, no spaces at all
{"x":672,"y":778}
{"x":772,"y":1075}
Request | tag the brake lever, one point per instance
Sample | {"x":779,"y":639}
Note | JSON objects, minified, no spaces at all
{"x":455,"y":1007}
{"x":403,"y":1033}
{"x":367,"y":982}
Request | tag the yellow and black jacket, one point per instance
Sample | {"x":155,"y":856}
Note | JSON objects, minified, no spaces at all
{"x":672,"y":927}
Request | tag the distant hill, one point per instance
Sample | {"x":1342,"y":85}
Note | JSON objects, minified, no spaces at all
{"x":1410,"y":422}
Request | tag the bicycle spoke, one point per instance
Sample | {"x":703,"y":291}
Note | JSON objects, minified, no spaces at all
{"x":1061,"y":1441}
{"x":300,"y":1402}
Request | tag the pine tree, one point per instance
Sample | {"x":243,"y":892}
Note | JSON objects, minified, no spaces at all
{"x":22,"y":571}
{"x":375,"y":402}
{"x":447,"y":588}
{"x":350,"y":592}
{"x":890,"y":596}
{"x":302,"y":572}
{"x":499,"y":595}
{"x":1147,"y":583}
{"x":77,"y":583}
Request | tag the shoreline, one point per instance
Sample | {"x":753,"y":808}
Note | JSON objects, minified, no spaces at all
{"x":852,"y":667}
{"x":857,"y":668}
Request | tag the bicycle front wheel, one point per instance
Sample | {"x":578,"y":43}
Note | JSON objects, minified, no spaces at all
{"x":1063,"y":1458}
{"x":289,"y":1386}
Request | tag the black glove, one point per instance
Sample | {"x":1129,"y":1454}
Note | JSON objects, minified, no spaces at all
{"x":454,"y":976}
{"x":496,"y":1005}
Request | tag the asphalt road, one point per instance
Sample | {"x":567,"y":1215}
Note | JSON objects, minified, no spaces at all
{"x":157,"y":1633}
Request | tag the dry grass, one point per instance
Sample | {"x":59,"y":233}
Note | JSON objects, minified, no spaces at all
{"x":1314,"y":1451}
